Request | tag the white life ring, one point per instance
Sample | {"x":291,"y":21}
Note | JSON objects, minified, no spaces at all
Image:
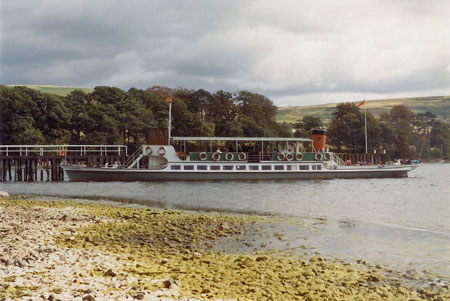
{"x":281,"y":156}
{"x":203,"y":156}
{"x":161,"y":151}
{"x":299,"y":156}
{"x":215,"y":156}
{"x":148,"y":150}
{"x":242,"y":156}
{"x":327,"y":156}
{"x":229,"y":156}
{"x":318,"y":156}
{"x":289,"y":157}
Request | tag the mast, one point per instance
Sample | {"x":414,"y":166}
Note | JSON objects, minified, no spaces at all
{"x":365,"y":118}
{"x":169,"y":100}
{"x":365,"y":122}
{"x":170,"y":121}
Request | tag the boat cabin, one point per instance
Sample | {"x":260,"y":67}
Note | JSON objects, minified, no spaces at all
{"x":237,"y":153}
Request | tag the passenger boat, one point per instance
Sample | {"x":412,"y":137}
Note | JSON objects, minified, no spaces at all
{"x":239,"y":158}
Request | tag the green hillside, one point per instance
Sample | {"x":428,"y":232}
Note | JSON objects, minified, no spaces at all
{"x":438,"y":105}
{"x":58,"y":90}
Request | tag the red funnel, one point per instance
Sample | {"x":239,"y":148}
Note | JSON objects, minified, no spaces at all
{"x":319,"y":137}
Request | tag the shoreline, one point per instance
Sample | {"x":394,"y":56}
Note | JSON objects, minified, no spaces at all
{"x":87,"y":251}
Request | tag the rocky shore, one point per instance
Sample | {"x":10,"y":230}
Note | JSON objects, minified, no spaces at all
{"x":68,"y":250}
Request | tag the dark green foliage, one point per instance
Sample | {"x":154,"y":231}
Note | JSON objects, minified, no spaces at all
{"x":52,"y":117}
{"x":30,"y":117}
{"x":109,"y":115}
{"x":346,"y":129}
{"x":304,"y":125}
{"x":440,"y":140}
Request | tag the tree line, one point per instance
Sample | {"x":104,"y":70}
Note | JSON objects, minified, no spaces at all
{"x":109,"y":115}
{"x":399,"y":133}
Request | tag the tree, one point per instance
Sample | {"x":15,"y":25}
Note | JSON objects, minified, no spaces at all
{"x":257,"y":114}
{"x":254,"y":129}
{"x":52,"y":117}
{"x":186,"y":123}
{"x":440,"y":140}
{"x":224,"y":113}
{"x":196,"y":102}
{"x":17,"y":118}
{"x":304,"y":125}
{"x":347,"y":127}
{"x":401,"y":112}
{"x":259,"y":107}
{"x":403,"y":132}
{"x":133,"y":119}
{"x":116,"y":117}
{"x":78,"y":104}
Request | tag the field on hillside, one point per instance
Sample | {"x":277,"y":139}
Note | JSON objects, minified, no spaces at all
{"x":438,"y":105}
{"x":57,"y":90}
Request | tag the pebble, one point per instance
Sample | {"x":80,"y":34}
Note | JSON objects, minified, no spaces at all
{"x":170,"y":283}
{"x":20,"y":263}
{"x":88,"y":298}
{"x":111,"y":273}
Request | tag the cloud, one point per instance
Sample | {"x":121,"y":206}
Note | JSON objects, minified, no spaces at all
{"x":291,"y":51}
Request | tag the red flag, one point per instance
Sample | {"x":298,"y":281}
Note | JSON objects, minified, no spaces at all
{"x":361,"y":103}
{"x":169,"y":99}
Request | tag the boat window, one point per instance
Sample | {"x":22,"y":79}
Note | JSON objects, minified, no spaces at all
{"x":266,"y":167}
{"x":319,"y":167}
{"x":189,"y":167}
{"x":241,"y":167}
{"x":228,"y":167}
{"x":175,"y":167}
{"x":279,"y":167}
{"x":214,"y":167}
{"x":253,"y":167}
{"x":304,"y":167}
{"x":289,"y":167}
{"x":202,"y":167}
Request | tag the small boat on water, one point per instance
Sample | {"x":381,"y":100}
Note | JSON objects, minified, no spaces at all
{"x":231,"y":158}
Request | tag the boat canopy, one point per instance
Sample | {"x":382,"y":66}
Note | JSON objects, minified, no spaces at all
{"x":261,"y":139}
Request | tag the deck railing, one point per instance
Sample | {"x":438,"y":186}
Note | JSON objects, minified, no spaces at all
{"x":62,"y":150}
{"x":337,"y":159}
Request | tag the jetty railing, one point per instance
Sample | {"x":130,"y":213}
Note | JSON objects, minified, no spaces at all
{"x":27,"y":162}
{"x":61,"y":150}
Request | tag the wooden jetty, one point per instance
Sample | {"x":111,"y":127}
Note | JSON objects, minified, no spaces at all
{"x":30,"y":163}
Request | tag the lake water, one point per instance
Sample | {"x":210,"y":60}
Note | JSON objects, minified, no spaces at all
{"x":398,"y":223}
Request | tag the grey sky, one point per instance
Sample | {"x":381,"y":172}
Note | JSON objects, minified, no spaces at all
{"x":294,"y":52}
